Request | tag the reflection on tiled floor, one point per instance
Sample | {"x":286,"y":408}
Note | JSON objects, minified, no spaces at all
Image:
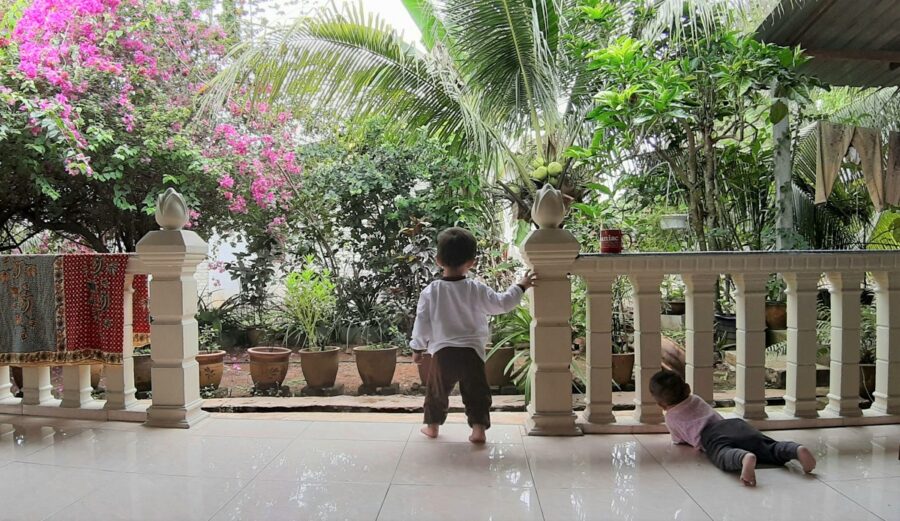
{"x":273,"y":469}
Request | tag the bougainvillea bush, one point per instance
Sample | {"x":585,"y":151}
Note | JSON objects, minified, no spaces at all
{"x":97,"y":115}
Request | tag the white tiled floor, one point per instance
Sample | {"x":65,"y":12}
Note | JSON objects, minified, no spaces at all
{"x":249,"y":469}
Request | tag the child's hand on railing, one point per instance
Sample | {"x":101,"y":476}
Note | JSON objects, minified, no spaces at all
{"x":529,"y":280}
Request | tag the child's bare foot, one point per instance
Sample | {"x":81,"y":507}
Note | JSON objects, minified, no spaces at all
{"x":748,"y":473}
{"x":478,"y":435}
{"x":430,"y":430}
{"x":806,"y":459}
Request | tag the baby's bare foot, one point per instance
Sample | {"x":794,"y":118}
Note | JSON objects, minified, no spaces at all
{"x":748,"y":473}
{"x":430,"y":430}
{"x":806,"y":459}
{"x":478,"y":435}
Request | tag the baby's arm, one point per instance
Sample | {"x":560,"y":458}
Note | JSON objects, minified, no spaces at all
{"x":421,"y":333}
{"x":495,"y":303}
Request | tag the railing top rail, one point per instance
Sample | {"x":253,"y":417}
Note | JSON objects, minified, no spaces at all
{"x":739,"y":262}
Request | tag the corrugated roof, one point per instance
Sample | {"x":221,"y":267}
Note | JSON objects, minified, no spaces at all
{"x":852,"y":42}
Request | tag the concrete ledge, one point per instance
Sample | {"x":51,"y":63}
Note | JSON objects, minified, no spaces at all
{"x":380,"y":404}
{"x":92,"y":411}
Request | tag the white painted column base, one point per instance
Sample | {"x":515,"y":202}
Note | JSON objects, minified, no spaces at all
{"x":76,"y":386}
{"x":36,"y":386}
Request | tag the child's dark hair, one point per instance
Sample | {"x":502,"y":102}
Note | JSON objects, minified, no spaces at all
{"x":668,"y":388}
{"x":456,"y":247}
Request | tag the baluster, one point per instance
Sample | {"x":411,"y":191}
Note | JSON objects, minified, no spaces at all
{"x":800,"y":397}
{"x":599,"y":350}
{"x":750,"y":396}
{"x":76,"y":386}
{"x":887,"y":352}
{"x":700,"y":301}
{"x":5,"y":383}
{"x":120,"y":377}
{"x":36,"y":385}
{"x":843,"y":391}
{"x":647,"y":345}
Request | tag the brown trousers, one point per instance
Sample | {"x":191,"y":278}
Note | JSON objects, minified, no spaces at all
{"x":449,"y":366}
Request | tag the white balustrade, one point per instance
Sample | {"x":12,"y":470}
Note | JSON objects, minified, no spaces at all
{"x":802,"y":272}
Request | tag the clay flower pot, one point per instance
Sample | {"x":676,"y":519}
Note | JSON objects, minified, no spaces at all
{"x":269,"y":366}
{"x":495,"y":366}
{"x":212,"y":367}
{"x":776,"y":315}
{"x":375,"y":365}
{"x":320,"y":367}
{"x":622,"y":368}
{"x":142,"y":365}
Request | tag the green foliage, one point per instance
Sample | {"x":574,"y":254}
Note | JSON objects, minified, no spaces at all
{"x":310,"y":301}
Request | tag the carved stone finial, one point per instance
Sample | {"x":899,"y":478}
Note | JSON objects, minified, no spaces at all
{"x":171,"y":210}
{"x":549,"y":207}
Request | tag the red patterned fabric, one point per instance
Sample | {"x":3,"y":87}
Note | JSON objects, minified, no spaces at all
{"x":94,"y":299}
{"x":141,"y":314}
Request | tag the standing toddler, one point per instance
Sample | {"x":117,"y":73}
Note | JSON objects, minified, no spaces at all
{"x":452,"y":326}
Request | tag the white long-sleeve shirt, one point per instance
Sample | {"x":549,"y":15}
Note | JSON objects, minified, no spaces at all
{"x":454,"y":313}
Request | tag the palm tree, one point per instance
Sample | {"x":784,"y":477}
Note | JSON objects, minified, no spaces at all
{"x":495,"y":78}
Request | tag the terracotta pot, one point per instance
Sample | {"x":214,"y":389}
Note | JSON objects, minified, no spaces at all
{"x":622,"y":368}
{"x":376,"y":366}
{"x":726,"y":327}
{"x":269,"y":366}
{"x":142,"y":372}
{"x":673,"y":307}
{"x":776,"y":315}
{"x":495,"y":366}
{"x":96,"y":373}
{"x":424,"y":368}
{"x":866,"y":380}
{"x":320,"y":367}
{"x":212,"y":366}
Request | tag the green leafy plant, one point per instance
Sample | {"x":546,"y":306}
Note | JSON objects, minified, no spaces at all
{"x":309,"y":301}
{"x":208,"y":339}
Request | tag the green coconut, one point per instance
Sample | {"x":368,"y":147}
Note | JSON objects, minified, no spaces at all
{"x":539,"y":173}
{"x":555,"y":168}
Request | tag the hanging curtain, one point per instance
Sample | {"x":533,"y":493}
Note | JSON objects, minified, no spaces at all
{"x":834,"y":141}
{"x":867,"y":142}
{"x":892,"y":174}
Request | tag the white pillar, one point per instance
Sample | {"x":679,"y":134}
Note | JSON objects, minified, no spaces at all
{"x":550,"y":253}
{"x":120,"y":378}
{"x":800,"y":397}
{"x":750,"y":396}
{"x":887,"y":353}
{"x":76,"y":386}
{"x":647,"y":345}
{"x":5,"y":383}
{"x":171,"y":256}
{"x":599,"y":350}
{"x":36,"y":385}
{"x":700,"y":307}
{"x":843,"y":391}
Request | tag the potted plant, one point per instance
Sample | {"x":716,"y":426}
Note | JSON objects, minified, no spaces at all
{"x":776,"y":305}
{"x":622,"y":335}
{"x":725,"y":319}
{"x":867,"y":343}
{"x":673,"y":296}
{"x":142,"y":365}
{"x":210,"y":358}
{"x":510,"y":331}
{"x":376,"y":363}
{"x":310,"y":299}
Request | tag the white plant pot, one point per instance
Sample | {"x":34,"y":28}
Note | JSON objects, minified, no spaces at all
{"x":674,"y":222}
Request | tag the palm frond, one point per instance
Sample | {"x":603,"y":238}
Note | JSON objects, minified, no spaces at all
{"x":349,"y":63}
{"x":673,"y":17}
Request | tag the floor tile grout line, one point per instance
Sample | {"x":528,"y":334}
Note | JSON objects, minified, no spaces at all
{"x":537,"y":492}
{"x":674,"y":479}
{"x":256,"y":476}
{"x":851,"y":499}
{"x":394,"y":474}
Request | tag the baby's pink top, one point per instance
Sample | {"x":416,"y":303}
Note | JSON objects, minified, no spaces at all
{"x":688,"y":419}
